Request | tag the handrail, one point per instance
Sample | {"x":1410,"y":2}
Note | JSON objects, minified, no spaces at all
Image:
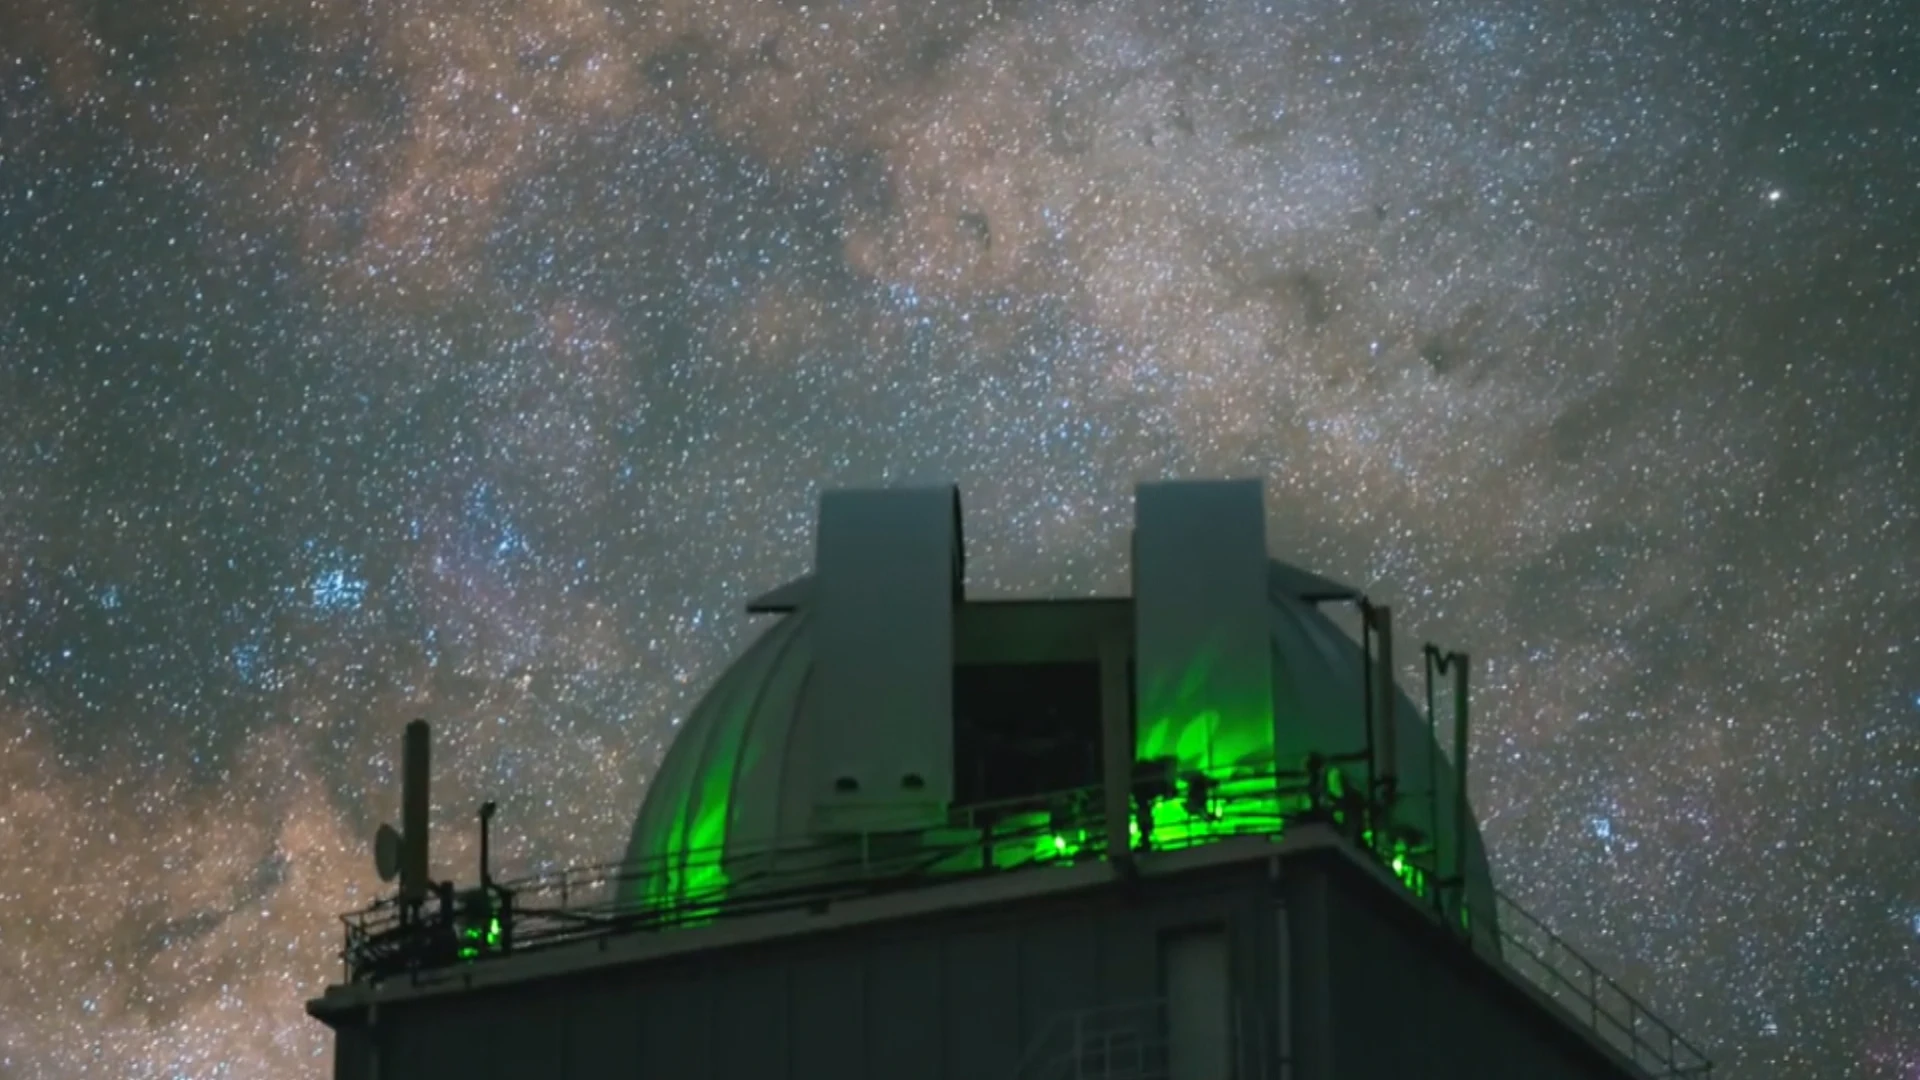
{"x":1591,"y":997}
{"x":586,"y":902}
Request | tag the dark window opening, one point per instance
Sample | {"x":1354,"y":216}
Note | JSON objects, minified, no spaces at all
{"x":1022,"y":730}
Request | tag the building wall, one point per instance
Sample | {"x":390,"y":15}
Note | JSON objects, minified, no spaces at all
{"x":1382,"y":992}
{"x":1330,"y":975}
{"x":962,"y":996}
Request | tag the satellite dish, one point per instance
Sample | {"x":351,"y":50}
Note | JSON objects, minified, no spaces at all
{"x":386,"y":853}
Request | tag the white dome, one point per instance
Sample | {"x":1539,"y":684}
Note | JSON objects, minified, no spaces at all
{"x":738,"y":794}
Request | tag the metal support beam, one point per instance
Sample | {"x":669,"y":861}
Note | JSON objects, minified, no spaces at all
{"x":416,"y":772}
{"x":1460,"y":771}
{"x":1116,"y":754}
{"x":1385,"y":718}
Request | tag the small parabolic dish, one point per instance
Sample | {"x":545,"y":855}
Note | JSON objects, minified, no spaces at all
{"x":386,"y":853}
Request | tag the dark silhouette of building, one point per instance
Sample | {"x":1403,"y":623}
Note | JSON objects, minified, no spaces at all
{"x":1197,"y":833}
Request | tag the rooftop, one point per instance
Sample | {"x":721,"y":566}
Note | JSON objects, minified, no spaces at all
{"x":574,"y":922}
{"x":887,"y":737}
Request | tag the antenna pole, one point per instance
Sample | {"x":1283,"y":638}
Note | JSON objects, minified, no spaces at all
{"x":415,"y":773}
{"x":486,"y":863}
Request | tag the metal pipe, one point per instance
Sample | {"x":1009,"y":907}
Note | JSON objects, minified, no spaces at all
{"x":1459,"y":661}
{"x":1428,"y":654}
{"x":1366,"y":695}
{"x":486,"y":863}
{"x":1117,"y":754}
{"x":1383,"y":702}
{"x":416,"y":771}
{"x":1284,"y":988}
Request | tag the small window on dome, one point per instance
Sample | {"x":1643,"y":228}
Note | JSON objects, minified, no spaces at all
{"x":1024,"y":730}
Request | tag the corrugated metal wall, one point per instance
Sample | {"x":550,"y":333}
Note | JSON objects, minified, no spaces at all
{"x":960,"y":997}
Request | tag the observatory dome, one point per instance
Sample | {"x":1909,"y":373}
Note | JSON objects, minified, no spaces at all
{"x":883,"y":709}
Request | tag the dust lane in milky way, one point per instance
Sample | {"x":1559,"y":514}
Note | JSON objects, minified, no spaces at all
{"x":477,"y":360}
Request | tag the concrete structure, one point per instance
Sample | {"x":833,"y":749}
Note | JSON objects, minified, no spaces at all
{"x":1196,"y":833}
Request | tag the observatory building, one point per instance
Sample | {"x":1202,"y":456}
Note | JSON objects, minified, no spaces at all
{"x":1195,"y":833}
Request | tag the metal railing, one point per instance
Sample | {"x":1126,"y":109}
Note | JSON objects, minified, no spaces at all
{"x":685,"y":887}
{"x":1592,"y":999}
{"x":1133,"y":1041}
{"x":1127,"y":1042}
{"x":390,"y":939}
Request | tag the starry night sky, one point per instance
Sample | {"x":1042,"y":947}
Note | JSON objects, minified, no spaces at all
{"x":478,"y":359}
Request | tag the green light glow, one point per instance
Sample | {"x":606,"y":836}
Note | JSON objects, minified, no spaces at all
{"x":692,"y":876}
{"x":701,"y":875}
{"x":480,"y":939}
{"x":1021,"y":840}
{"x":1409,"y":873}
{"x":1217,"y":741}
{"x":1211,"y":728}
{"x":1184,"y":717}
{"x":1235,"y":805}
{"x":1400,"y":857}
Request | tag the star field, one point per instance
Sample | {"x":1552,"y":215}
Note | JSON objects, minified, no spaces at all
{"x":478,"y":360}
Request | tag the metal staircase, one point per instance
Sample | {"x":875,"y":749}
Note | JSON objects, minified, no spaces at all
{"x":1118,"y":1042}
